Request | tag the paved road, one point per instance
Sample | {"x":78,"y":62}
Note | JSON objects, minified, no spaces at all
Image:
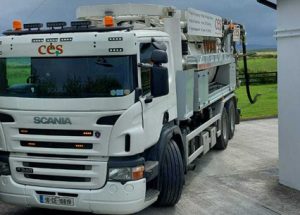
{"x":241,"y":180}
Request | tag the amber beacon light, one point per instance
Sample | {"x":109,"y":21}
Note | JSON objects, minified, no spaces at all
{"x":108,"y":21}
{"x":17,"y":25}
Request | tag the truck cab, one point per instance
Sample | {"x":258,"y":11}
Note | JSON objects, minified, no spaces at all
{"x":95,"y":118}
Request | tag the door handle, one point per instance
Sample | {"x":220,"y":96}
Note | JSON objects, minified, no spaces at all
{"x":149,"y":99}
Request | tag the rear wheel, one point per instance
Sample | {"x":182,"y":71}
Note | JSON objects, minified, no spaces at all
{"x":171,"y":177}
{"x":231,"y":115}
{"x":222,"y":141}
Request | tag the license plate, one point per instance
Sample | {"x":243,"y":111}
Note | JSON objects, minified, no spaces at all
{"x":55,"y":200}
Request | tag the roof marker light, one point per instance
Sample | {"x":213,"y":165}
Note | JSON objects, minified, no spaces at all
{"x":31,"y":26}
{"x":115,"y":39}
{"x":54,"y":25}
{"x":108,"y":21}
{"x":17,"y":25}
{"x":78,"y":24}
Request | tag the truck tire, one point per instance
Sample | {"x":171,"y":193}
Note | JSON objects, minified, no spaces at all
{"x":222,"y":141}
{"x":231,"y":110}
{"x":171,"y":176}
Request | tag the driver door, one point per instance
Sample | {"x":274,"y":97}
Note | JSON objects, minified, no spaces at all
{"x":155,"y":110}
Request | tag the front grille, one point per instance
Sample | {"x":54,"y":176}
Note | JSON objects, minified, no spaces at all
{"x":54,"y":132}
{"x":44,"y":172}
{"x":57,"y":178}
{"x":66,"y":156}
{"x":57,"y":156}
{"x":55,"y":145}
{"x":56,"y":166}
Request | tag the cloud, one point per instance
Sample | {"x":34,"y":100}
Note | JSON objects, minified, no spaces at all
{"x":260,"y":21}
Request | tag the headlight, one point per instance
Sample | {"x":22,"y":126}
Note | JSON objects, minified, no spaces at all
{"x":126,"y":174}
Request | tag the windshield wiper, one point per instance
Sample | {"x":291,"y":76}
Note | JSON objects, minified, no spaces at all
{"x":102,"y":62}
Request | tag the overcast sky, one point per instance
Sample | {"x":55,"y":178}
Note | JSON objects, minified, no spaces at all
{"x":260,"y":21}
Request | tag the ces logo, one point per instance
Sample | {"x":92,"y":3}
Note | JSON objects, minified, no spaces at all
{"x":51,"y":50}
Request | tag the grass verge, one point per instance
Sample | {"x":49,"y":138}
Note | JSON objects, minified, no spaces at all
{"x":266,"y":105}
{"x":256,"y":65}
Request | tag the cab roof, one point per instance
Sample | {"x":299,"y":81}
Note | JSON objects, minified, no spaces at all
{"x":66,"y":30}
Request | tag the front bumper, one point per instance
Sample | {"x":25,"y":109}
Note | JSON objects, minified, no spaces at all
{"x":113,"y":198}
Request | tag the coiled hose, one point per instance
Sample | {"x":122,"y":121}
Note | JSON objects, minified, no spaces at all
{"x":246,"y":73}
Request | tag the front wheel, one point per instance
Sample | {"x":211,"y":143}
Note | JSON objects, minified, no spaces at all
{"x":222,"y":141}
{"x":171,"y":177}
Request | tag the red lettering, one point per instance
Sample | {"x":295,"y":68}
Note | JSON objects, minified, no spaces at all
{"x":51,"y":49}
{"x":42,"y":50}
{"x":59,"y":48}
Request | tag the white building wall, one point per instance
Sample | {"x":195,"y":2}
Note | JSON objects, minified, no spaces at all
{"x":288,"y":36}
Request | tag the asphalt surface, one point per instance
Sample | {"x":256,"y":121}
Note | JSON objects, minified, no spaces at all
{"x":241,"y":180}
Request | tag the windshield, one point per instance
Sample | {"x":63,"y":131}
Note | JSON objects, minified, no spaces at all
{"x":68,"y":77}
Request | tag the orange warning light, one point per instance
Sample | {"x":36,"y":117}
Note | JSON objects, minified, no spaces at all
{"x":108,"y":21}
{"x":17,"y":25}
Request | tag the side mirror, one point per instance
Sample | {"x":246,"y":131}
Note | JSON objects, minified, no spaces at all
{"x":159,"y":81}
{"x":159,"y":45}
{"x":159,"y":57}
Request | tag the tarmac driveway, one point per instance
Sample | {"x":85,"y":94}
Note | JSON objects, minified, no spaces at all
{"x":241,"y":180}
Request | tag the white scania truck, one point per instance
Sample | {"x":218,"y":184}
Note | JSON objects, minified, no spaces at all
{"x":107,"y":114}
